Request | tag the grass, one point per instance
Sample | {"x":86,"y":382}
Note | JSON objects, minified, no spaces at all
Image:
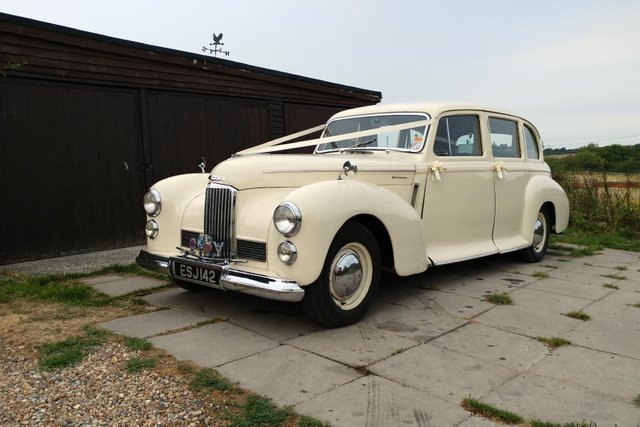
{"x":500,"y":298}
{"x":610,"y":286}
{"x":540,"y":274}
{"x":620,"y":267}
{"x":258,"y":411}
{"x":636,"y":400}
{"x":69,"y":352}
{"x":137,"y":364}
{"x":636,"y":305}
{"x":580,"y":315}
{"x":596,"y":241}
{"x":539,"y":423}
{"x":489,"y":411}
{"x":306,"y":421}
{"x":208,"y":379}
{"x":137,"y":344}
{"x":549,"y":266}
{"x":553,"y":342}
{"x":613,"y":276}
{"x":65,"y":288}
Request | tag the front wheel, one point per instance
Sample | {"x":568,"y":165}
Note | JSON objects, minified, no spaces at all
{"x":538,"y":248}
{"x":349,"y":279}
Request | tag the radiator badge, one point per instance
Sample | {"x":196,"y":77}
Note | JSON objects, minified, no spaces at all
{"x":203,"y":245}
{"x":218,"y":246}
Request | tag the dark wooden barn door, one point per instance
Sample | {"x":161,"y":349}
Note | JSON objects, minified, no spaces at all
{"x":185,"y":127}
{"x":71,"y":168}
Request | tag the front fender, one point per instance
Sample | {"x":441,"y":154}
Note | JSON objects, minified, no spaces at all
{"x":328,"y":205}
{"x":540,"y":190}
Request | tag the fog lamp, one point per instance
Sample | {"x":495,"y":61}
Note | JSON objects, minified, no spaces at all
{"x":287,"y":252}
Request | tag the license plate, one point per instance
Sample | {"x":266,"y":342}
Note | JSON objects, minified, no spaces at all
{"x":196,"y":273}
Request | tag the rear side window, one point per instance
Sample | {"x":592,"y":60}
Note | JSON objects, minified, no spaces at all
{"x":458,"y":136}
{"x":504,"y":138}
{"x":532,"y":143}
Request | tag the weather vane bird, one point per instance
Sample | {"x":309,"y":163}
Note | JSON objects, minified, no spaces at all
{"x":216,"y":46}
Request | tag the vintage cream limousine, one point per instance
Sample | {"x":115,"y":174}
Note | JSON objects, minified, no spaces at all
{"x":399,"y":187}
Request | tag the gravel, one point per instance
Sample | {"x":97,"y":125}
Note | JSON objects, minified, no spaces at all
{"x":98,"y":391}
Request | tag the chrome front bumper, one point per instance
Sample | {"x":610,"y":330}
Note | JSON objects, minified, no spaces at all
{"x":232,"y":279}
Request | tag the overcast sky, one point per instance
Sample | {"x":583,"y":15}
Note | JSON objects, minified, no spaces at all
{"x":570,"y":66}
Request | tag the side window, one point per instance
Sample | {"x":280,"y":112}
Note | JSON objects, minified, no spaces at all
{"x":458,"y":136}
{"x":532,"y":144}
{"x":504,"y":138}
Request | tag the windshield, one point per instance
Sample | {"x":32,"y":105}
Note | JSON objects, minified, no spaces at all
{"x":404,"y":140}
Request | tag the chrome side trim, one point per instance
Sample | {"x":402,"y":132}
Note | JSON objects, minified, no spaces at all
{"x":232,"y":279}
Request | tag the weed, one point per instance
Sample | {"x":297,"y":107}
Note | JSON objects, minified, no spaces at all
{"x":610,"y":286}
{"x":549,"y":266}
{"x":137,"y":364}
{"x":613,"y":276}
{"x":207,"y":379}
{"x":581,"y":315}
{"x":636,"y":305}
{"x":588,"y":264}
{"x":553,"y":342}
{"x":563,"y":260}
{"x":621,"y":267}
{"x":538,"y":423}
{"x":137,"y":344}
{"x":489,"y":411}
{"x":500,"y":298}
{"x":185,"y":367}
{"x":260,"y":411}
{"x":540,"y":274}
{"x":62,"y":354}
{"x":636,"y":400}
{"x":306,"y":421}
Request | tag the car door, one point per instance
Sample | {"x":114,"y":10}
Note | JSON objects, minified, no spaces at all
{"x":459,"y":197}
{"x":511,"y":175}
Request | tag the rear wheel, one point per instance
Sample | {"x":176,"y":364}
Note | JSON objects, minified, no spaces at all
{"x":538,"y":248}
{"x":349,"y":279}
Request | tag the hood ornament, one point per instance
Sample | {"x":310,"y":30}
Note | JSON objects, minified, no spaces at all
{"x":203,"y":164}
{"x":349,"y":168}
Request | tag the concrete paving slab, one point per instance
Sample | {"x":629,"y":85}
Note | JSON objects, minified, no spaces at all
{"x":275,"y":320}
{"x":595,"y":370}
{"x":475,"y":287}
{"x":526,"y":268}
{"x":547,"y":399}
{"x":360,"y":344}
{"x":608,"y":257}
{"x":420,"y":325}
{"x":493,"y":345}
{"x":124,"y":285}
{"x":214,"y":344}
{"x":288,"y":375}
{"x":149,"y":324}
{"x":628,"y":284}
{"x":451,"y":304}
{"x":579,"y":277}
{"x":582,"y":265}
{"x":376,"y":402}
{"x":445,"y":373}
{"x":609,"y":337}
{"x":527,"y":321}
{"x":617,"y":307}
{"x":501,"y":277}
{"x":547,"y":301}
{"x":478,"y":422}
{"x":102,"y":279}
{"x":574,"y":289}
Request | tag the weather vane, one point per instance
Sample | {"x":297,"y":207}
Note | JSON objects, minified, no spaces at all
{"x":216,"y":46}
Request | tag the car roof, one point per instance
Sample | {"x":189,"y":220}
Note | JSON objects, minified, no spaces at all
{"x":434,"y":109}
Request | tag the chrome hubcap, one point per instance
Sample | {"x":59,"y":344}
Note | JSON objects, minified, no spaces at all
{"x":539,"y":233}
{"x":347,"y":276}
{"x":350,"y":276}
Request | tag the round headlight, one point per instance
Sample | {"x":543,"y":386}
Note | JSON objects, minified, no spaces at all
{"x":151,"y":229}
{"x":151,"y":201}
{"x":287,"y":219}
{"x":287,"y":252}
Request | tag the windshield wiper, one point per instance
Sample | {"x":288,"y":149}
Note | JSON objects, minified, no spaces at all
{"x":359,"y":144}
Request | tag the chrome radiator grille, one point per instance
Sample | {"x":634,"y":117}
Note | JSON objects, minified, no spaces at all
{"x":219,"y":218}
